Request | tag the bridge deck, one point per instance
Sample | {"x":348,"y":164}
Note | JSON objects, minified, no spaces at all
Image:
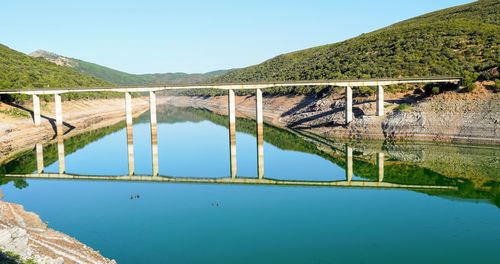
{"x":240,"y":86}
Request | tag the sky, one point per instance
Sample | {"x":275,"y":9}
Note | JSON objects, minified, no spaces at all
{"x":191,"y":36}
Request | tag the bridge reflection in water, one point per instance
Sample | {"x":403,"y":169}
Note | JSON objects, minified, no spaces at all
{"x":231,"y":179}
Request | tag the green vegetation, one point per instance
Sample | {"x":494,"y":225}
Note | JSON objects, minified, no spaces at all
{"x":123,"y":78}
{"x":15,"y":112}
{"x":497,"y":85}
{"x":7,"y":257}
{"x":20,"y":71}
{"x":469,"y":81}
{"x":457,"y":41}
{"x":403,"y":107}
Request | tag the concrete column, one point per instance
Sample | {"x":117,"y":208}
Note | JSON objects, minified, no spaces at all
{"x":60,"y":152}
{"x":260,"y":133}
{"x":154,"y":132}
{"x":59,"y":117}
{"x":36,"y":110}
{"x":380,"y":101}
{"x":348,"y":169}
{"x":348,"y":104}
{"x":39,"y":157}
{"x":232,"y":132}
{"x":130,"y":136}
{"x":380,"y":166}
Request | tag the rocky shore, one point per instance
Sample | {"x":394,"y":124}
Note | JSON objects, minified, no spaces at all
{"x":17,"y":133}
{"x":447,"y":117}
{"x":24,"y":234}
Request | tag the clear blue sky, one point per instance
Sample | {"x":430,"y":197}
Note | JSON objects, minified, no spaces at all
{"x":190,"y":35}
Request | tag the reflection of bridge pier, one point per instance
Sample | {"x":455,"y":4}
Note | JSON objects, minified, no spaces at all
{"x":130,"y":136}
{"x":348,"y":168}
{"x":60,"y":152}
{"x":349,"y":165}
{"x":39,"y":158}
{"x":380,"y":166}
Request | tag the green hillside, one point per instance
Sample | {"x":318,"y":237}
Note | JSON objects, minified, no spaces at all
{"x":18,"y":70}
{"x":456,"y":41}
{"x":123,"y":78}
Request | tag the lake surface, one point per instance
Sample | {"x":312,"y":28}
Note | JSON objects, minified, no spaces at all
{"x":453,"y":217}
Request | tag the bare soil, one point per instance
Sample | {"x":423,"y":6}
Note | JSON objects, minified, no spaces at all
{"x":18,"y":133}
{"x":447,"y":117}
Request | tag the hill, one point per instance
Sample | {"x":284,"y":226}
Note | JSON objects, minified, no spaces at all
{"x":462,"y":40}
{"x":123,"y":78}
{"x":18,"y":70}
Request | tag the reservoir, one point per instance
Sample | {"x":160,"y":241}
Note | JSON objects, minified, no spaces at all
{"x":319,"y":200}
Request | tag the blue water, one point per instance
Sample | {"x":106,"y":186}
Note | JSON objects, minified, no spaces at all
{"x":179,"y":223}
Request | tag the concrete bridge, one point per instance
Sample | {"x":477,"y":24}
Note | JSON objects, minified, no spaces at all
{"x":258,"y":87}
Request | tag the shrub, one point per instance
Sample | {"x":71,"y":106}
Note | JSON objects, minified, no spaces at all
{"x":365,"y":91}
{"x":497,"y":84}
{"x":403,"y":107}
{"x":435,"y":90}
{"x":469,"y":79}
{"x":470,"y":87}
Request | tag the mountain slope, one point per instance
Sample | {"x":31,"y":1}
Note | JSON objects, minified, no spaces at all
{"x":18,"y":70}
{"x":123,"y":78}
{"x":453,"y":41}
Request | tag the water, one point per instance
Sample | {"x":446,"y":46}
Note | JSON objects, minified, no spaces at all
{"x":266,"y":223}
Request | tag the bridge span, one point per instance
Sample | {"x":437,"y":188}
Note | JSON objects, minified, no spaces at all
{"x":258,"y":87}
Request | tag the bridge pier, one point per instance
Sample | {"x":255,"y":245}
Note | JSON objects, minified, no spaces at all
{"x":154,"y":132}
{"x":39,"y":157}
{"x":59,"y":118}
{"x":348,"y":169}
{"x":380,"y":166}
{"x":130,"y":129}
{"x":260,"y":133}
{"x":380,"y":101}
{"x":36,"y":110}
{"x":348,"y":105}
{"x":232,"y":132}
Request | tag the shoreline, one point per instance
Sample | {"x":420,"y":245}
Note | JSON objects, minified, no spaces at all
{"x":322,"y":116}
{"x":18,"y":134}
{"x":449,"y":117}
{"x":26,"y":235}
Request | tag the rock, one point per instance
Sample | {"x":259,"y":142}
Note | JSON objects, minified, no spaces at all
{"x":25,"y":234}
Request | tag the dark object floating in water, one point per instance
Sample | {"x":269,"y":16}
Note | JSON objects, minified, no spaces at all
{"x":134,"y":196}
{"x":215,"y":203}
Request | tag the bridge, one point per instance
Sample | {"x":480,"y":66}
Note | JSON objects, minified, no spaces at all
{"x":258,"y":87}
